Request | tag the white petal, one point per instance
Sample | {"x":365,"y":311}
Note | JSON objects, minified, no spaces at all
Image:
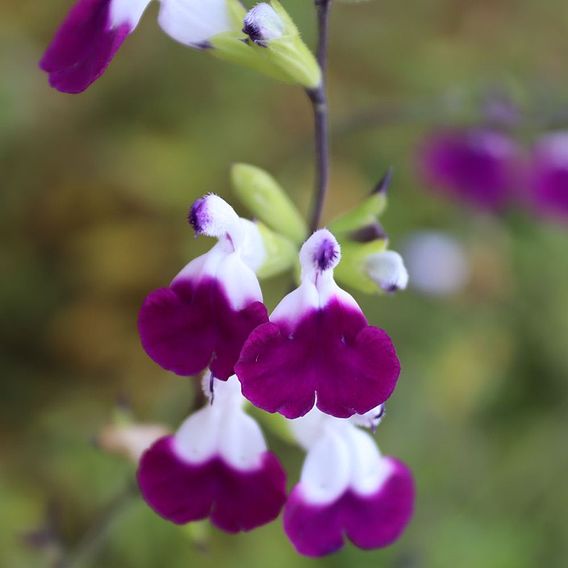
{"x":252,"y":248}
{"x":225,"y":395}
{"x":194,"y":22}
{"x":309,"y":429}
{"x":212,"y":216}
{"x":127,"y":12}
{"x":326,"y":472}
{"x":194,"y":269}
{"x":387,"y":270}
{"x":242,"y":444}
{"x":295,"y":304}
{"x":370,"y":419}
{"x":319,"y":254}
{"x":239,"y":281}
{"x":368,"y":468}
{"x":198,"y":438}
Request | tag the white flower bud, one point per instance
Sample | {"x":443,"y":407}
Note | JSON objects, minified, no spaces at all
{"x":262,"y":24}
{"x":387,"y":270}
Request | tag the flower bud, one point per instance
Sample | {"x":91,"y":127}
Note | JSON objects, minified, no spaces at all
{"x":262,"y":24}
{"x":363,"y":215}
{"x":352,"y":269}
{"x":387,"y":270}
{"x":265,"y":198}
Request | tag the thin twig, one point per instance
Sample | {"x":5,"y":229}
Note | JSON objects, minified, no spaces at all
{"x":318,"y":98}
{"x":96,"y":534}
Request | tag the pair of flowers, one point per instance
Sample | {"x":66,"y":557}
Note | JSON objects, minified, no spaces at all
{"x":265,"y":38}
{"x":486,"y":168}
{"x":315,"y":360}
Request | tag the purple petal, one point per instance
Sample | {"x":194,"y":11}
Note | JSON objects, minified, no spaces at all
{"x":369,"y":521}
{"x":549,"y":178}
{"x":351,"y":366}
{"x":187,"y":327}
{"x":83,"y":47}
{"x":235,"y":500}
{"x":477,"y":166}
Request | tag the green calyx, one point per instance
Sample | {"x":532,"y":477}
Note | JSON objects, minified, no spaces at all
{"x":257,"y":190}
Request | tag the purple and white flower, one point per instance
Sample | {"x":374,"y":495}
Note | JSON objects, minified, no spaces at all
{"x":204,"y":316}
{"x":94,"y":31}
{"x":347,"y":489}
{"x":318,"y":347}
{"x":549,"y":176}
{"x":216,"y":465}
{"x":478,"y":166}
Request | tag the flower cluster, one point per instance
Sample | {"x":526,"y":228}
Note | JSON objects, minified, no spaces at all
{"x":315,"y":360}
{"x":488,"y":169}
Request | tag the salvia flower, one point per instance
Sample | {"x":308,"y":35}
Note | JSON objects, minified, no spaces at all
{"x":205,"y":315}
{"x":216,"y":465}
{"x":347,"y":489}
{"x":94,"y":31}
{"x":549,"y":176}
{"x":477,"y":166}
{"x":317,"y":347}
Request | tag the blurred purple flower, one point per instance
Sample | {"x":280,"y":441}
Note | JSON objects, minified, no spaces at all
{"x":549,"y":176}
{"x":477,"y":165}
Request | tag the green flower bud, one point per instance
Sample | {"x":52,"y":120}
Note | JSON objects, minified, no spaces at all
{"x":366,"y":213}
{"x":275,"y":38}
{"x":281,"y":253}
{"x":263,"y":196}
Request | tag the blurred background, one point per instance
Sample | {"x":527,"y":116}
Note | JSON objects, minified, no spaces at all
{"x":94,"y":194}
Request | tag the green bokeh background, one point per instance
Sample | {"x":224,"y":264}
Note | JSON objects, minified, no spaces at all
{"x":94,"y":191}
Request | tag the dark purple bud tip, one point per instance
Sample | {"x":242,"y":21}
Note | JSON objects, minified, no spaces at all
{"x":254,"y":33}
{"x":326,"y":255}
{"x":385,"y":182}
{"x":198,"y":216}
{"x":263,"y":24}
{"x":368,"y":233}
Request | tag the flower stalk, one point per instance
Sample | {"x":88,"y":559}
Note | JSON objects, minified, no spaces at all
{"x":318,"y":98}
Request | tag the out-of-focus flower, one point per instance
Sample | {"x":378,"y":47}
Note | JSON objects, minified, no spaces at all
{"x":477,"y":165}
{"x":130,"y":440}
{"x":317,"y":347}
{"x":347,"y":489}
{"x":205,"y":315}
{"x":437,"y":263}
{"x":549,"y":176}
{"x":216,"y":465}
